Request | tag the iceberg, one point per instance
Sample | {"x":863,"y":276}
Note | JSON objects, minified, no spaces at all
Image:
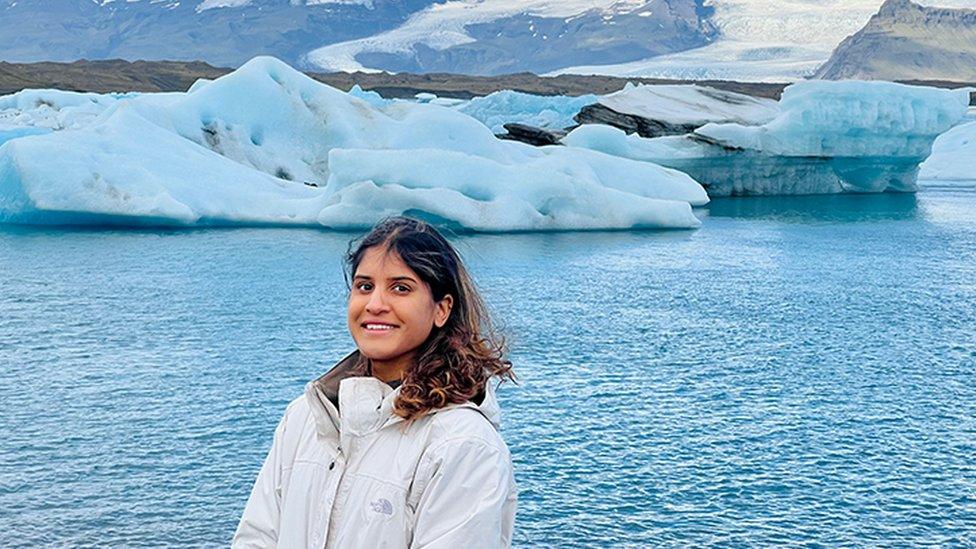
{"x":551,"y":112}
{"x":53,"y":109}
{"x":953,"y":156}
{"x":657,"y":110}
{"x":6,"y":134}
{"x":267,"y":145}
{"x":827,"y":137}
{"x":369,"y":96}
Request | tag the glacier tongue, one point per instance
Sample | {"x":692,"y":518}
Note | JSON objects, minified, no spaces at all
{"x":265,"y":144}
{"x":828,"y":137}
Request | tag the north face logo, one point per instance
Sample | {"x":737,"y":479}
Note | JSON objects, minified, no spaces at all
{"x":382,"y":505}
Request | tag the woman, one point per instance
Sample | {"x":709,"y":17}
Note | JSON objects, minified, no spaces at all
{"x":396,"y":445}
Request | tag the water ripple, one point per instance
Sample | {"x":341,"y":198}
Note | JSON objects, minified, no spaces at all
{"x":795,"y":372}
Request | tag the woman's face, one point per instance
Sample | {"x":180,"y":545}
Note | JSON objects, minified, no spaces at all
{"x":391,"y":311}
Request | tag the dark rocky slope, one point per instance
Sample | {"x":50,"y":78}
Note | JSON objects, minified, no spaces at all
{"x":906,"y":41}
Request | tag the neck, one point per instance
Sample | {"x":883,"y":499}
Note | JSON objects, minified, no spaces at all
{"x":390,"y":370}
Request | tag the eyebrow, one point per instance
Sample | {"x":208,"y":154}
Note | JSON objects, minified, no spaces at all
{"x":402,"y":277}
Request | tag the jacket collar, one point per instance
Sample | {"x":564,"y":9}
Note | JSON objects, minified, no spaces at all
{"x":366,"y":403}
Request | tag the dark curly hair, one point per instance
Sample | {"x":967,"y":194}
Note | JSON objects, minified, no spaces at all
{"x":455,"y":361}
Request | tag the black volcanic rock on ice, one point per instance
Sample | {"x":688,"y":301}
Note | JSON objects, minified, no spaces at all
{"x":655,"y":111}
{"x":532,"y":135}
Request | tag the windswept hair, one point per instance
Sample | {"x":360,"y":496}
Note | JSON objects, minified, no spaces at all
{"x":455,"y":361}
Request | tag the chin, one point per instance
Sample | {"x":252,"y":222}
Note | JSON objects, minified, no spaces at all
{"x":375,"y":352}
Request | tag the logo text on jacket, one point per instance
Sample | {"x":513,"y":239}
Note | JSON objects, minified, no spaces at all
{"x":382,"y":506}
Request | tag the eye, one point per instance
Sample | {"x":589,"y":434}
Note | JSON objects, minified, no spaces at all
{"x":401,"y":288}
{"x":363,"y":286}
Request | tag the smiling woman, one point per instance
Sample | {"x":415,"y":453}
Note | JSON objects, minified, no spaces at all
{"x":391,"y":313}
{"x":397,"y":445}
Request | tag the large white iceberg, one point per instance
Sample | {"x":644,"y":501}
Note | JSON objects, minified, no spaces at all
{"x":827,"y":137}
{"x":268,"y":145}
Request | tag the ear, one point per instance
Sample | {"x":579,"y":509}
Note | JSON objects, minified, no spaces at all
{"x":443,"y":310}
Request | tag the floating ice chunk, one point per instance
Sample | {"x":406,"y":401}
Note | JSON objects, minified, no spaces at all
{"x":850,"y":119}
{"x":616,"y":142}
{"x":129,"y":170}
{"x":265,"y":144}
{"x":829,"y":137}
{"x":541,"y":111}
{"x":6,"y":134}
{"x":722,"y":171}
{"x":690,"y":105}
{"x":448,"y":101}
{"x":53,"y":109}
{"x":432,"y":99}
{"x":953,"y":156}
{"x":198,"y":83}
{"x":369,"y":184}
{"x":369,"y":96}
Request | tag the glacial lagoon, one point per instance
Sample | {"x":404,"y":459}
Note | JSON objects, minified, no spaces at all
{"x":797,"y":370}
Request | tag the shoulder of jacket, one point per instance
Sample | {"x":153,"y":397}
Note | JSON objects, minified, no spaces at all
{"x":297,"y":411}
{"x":457,"y":425}
{"x":297,"y":404}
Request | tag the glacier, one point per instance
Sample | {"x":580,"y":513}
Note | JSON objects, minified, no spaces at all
{"x":760,"y":41}
{"x":267,"y":145}
{"x":827,"y":137}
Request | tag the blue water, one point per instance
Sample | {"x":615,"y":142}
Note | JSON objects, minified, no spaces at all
{"x":796,"y":371}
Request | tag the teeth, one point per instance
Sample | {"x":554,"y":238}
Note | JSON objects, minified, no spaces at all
{"x":378,"y":327}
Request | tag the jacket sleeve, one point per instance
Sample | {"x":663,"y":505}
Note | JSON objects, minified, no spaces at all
{"x":468,"y":497}
{"x":258,"y":527}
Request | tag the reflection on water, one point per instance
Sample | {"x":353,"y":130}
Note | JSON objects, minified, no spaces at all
{"x":814,"y":208}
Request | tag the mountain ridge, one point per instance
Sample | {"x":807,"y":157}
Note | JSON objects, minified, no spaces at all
{"x":229,"y":32}
{"x":104,"y":76}
{"x":907,"y":40}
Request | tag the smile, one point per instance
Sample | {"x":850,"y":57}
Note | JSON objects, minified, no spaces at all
{"x":378,"y":327}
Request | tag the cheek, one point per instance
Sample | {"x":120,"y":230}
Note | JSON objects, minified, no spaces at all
{"x":353,"y":310}
{"x":422,"y":318}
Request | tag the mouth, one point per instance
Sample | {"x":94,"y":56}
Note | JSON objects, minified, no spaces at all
{"x":378,"y":327}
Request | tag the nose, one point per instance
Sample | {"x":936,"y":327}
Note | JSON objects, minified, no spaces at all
{"x":377,"y":303}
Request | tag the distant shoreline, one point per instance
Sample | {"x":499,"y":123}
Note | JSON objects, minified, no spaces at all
{"x":117,"y":75}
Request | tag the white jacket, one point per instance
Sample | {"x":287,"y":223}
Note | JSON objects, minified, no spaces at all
{"x":367,"y":478}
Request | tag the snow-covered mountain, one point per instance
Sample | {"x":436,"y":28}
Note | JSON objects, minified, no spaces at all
{"x":689,"y":39}
{"x":465,"y":36}
{"x":762,"y":40}
{"x":222,"y":32}
{"x":906,"y":41}
{"x":504,"y":36}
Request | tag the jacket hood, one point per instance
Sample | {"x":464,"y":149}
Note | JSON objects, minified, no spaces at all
{"x":367,"y":396}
